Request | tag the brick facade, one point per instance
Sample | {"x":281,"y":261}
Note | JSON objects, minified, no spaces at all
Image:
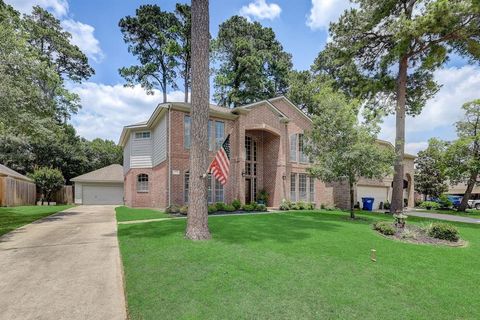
{"x":269,"y":124}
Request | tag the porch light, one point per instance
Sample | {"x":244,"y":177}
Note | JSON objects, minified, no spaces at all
{"x":243,"y":173}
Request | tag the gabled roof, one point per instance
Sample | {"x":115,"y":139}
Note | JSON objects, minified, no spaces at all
{"x":7,"y":172}
{"x":109,"y":174}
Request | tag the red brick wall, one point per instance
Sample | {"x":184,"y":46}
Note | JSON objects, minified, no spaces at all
{"x":156,"y":197}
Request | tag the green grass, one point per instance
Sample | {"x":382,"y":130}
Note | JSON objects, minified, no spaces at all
{"x":470,"y":213}
{"x":130,"y":214}
{"x":304,"y":265}
{"x":12,"y":218}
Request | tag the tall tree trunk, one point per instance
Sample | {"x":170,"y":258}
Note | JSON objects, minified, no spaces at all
{"x":468,"y":193}
{"x":397,"y":193}
{"x":352,"y":213}
{"x":164,"y":89}
{"x":197,"y":219}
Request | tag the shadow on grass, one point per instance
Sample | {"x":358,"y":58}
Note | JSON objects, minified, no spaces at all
{"x":281,"y":227}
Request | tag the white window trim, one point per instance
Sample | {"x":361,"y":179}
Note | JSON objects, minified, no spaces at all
{"x":142,"y":138}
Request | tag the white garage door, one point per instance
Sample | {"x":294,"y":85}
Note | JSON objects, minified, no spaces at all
{"x":380,"y":194}
{"x":102,"y":194}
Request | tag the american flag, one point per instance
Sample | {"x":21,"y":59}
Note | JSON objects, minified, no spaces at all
{"x":220,"y":166}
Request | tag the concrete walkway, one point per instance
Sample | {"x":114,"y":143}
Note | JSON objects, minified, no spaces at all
{"x":441,"y":216}
{"x":66,"y":266}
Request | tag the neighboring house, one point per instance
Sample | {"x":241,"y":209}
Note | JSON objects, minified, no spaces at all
{"x":379,"y":189}
{"x":459,"y":190}
{"x":15,"y":188}
{"x":102,"y":186}
{"x":267,"y":153}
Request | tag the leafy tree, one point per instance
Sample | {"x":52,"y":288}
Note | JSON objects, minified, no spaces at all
{"x":302,"y":87}
{"x":101,"y":153}
{"x":386,"y":52}
{"x":48,"y":180}
{"x":252,"y":63}
{"x":47,"y":36}
{"x":463,"y":155}
{"x":197,"y":219}
{"x":341,"y":148}
{"x":183,"y":49}
{"x":430,"y":173}
{"x":150,"y":36}
{"x":24,"y":110}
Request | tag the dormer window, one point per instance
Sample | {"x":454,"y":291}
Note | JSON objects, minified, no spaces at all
{"x":142,"y":135}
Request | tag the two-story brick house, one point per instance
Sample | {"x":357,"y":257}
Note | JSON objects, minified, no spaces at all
{"x":266,"y":154}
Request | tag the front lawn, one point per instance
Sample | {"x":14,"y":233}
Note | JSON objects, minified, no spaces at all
{"x":296,"y":265}
{"x":470,"y":213}
{"x":130,"y":214}
{"x":12,"y":218}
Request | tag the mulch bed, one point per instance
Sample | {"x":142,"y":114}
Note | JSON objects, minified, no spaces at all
{"x":221,"y":213}
{"x":418,"y":235}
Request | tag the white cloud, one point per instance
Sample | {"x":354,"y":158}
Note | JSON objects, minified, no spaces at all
{"x":83,"y":37}
{"x":325,"y":11}
{"x":106,"y":108}
{"x":414,"y":147}
{"x":260,"y":9}
{"x":58,"y":7}
{"x":459,"y":85}
{"x":82,"y":34}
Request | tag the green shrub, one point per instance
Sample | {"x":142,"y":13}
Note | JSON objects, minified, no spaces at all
{"x":310,"y":206}
{"x":212,"y":208}
{"x":322,"y":206}
{"x":418,"y":202}
{"x":254,"y":205}
{"x":444,"y":231}
{"x":386,"y":205}
{"x":237,"y":204}
{"x":220,"y":206}
{"x":261,"y":207}
{"x":263,"y":196}
{"x":285,"y":205}
{"x":384,"y":227}
{"x":183,"y":210}
{"x":229,"y":208}
{"x":172,"y":209}
{"x":301,"y":205}
{"x":248,"y":207}
{"x":444,"y":202}
{"x":429,"y":205}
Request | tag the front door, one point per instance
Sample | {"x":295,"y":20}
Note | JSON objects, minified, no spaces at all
{"x":248,"y":190}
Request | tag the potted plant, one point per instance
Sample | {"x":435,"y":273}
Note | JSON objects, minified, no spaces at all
{"x":262,"y":197}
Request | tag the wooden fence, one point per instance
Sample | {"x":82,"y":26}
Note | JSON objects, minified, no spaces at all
{"x":15,"y":192}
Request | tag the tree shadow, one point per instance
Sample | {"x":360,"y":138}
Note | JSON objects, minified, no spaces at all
{"x":282,"y":227}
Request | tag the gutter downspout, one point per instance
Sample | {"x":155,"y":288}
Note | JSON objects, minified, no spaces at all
{"x":169,"y":155}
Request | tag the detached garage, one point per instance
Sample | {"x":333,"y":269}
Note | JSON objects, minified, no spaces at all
{"x":102,"y":186}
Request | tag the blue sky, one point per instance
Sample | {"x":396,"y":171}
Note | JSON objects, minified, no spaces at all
{"x":300,"y":25}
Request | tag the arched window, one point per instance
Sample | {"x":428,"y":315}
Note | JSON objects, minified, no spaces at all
{"x":142,"y":182}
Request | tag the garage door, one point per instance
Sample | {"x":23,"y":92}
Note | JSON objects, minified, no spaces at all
{"x":102,"y":194}
{"x":380,"y":194}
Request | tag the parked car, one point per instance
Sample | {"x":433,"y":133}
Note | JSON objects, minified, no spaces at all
{"x":455,"y":200}
{"x":474,"y":204}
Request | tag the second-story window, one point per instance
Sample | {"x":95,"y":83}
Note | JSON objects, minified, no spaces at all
{"x":142,"y":135}
{"x":187,"y":131}
{"x":293,"y":147}
{"x":219,"y":133}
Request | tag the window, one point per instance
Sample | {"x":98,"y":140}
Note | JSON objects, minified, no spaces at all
{"x":311,"y":188}
{"x":211,"y":135}
{"x":187,"y":132}
{"x":219,"y":133}
{"x":218,"y":191}
{"x":186,"y":186}
{"x":293,"y":147}
{"x":302,"y":187}
{"x":142,"y":135}
{"x":255,"y":189}
{"x":248,"y":148}
{"x":301,"y":149}
{"x":142,"y":182}
{"x":293,"y":187}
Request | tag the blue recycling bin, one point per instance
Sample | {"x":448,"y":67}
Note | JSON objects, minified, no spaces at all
{"x":368,"y":203}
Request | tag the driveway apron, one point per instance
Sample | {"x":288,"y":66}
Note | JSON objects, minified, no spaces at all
{"x":65,"y":266}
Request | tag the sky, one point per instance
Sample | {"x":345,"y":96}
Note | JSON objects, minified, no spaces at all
{"x":300,"y":25}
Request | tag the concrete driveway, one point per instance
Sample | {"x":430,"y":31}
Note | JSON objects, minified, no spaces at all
{"x":66,"y":266}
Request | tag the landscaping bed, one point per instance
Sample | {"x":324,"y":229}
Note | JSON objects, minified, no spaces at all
{"x":436,"y":233}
